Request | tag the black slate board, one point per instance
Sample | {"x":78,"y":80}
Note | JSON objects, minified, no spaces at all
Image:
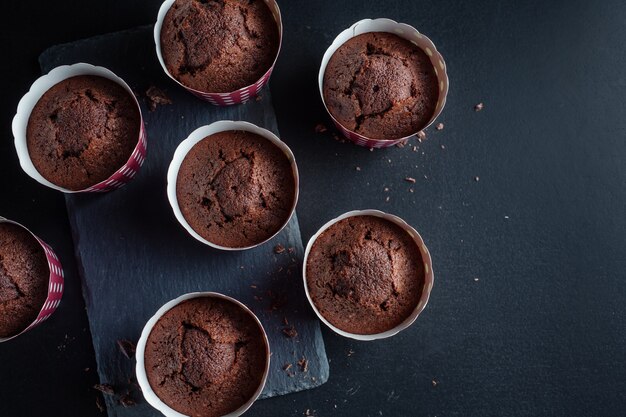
{"x":133,"y":255}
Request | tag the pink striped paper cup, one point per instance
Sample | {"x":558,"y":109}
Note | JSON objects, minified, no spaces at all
{"x":429,"y":275}
{"x":407,"y":32}
{"x":55,"y":284}
{"x":25,"y":107}
{"x":221,"y":99}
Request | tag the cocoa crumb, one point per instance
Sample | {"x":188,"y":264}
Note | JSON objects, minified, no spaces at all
{"x":443,"y":146}
{"x":476,"y":179}
{"x":291,"y":250}
{"x":127,"y":401}
{"x":303,"y":364}
{"x":358,"y":168}
{"x":401,"y":144}
{"x":290,"y":332}
{"x":421,"y":135}
{"x":100,"y":405}
{"x":410,"y":179}
{"x":156,"y":97}
{"x":105,"y":389}
{"x":279,"y":249}
{"x":479,"y":107}
{"x":287,"y":367}
{"x":258,"y":98}
{"x":435,"y":382}
{"x":285,"y":321}
{"x":350,"y":352}
{"x":387,"y":199}
{"x":127,"y":348}
{"x":439,"y":126}
{"x":320,"y":128}
{"x":414,"y":148}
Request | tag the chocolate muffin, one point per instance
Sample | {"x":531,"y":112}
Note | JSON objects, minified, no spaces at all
{"x":205,"y":357}
{"x":235,"y":188}
{"x":365,"y":274}
{"x":24,"y":276}
{"x":381,"y":86}
{"x":219,"y":46}
{"x":82,"y":130}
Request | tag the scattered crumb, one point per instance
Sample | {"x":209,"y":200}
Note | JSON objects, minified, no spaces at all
{"x":105,"y":389}
{"x":386,"y":189}
{"x":443,"y":146}
{"x":358,"y":168}
{"x":425,"y":176}
{"x":479,"y":107}
{"x":291,"y":250}
{"x":435,"y":382}
{"x":338,"y":138}
{"x":86,"y":369}
{"x":350,"y":352}
{"x":439,"y":126}
{"x":279,"y":249}
{"x":285,"y":321}
{"x":290,"y":332}
{"x":127,"y":401}
{"x":410,"y":179}
{"x":258,"y":98}
{"x":401,"y":144}
{"x":320,"y":128}
{"x":127,"y":348}
{"x":371,"y":149}
{"x":387,"y":199}
{"x":309,"y":413}
{"x":476,"y":178}
{"x":411,"y":190}
{"x":421,"y":135}
{"x":287,"y":367}
{"x":99,"y":404}
{"x":253,"y":286}
{"x":156,"y":97}
{"x":476,"y":279}
{"x":414,"y":148}
{"x":303,"y":364}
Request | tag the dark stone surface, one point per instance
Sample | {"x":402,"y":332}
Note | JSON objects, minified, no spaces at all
{"x":134,"y":256}
{"x":540,"y":333}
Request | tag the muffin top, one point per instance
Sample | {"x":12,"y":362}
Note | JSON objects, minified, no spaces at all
{"x":365,"y":274}
{"x":235,"y":188}
{"x":24,"y":276}
{"x":82,"y":130}
{"x":219,"y":46}
{"x":381,"y":86}
{"x":205,"y":357}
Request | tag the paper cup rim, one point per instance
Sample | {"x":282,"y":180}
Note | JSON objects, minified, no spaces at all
{"x":142,"y":378}
{"x":166,"y":6}
{"x":27,"y":103}
{"x":402,"y":30}
{"x":42,"y":244}
{"x":207,"y":130}
{"x":428,"y":274}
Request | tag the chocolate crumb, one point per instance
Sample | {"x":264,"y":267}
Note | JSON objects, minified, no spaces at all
{"x":386,"y":189}
{"x":290,"y":332}
{"x":100,"y":405}
{"x":479,"y":107}
{"x":387,"y":199}
{"x":258,"y":98}
{"x":476,"y":279}
{"x":371,"y":149}
{"x":435,"y":382}
{"x":421,"y":135}
{"x":279,"y":249}
{"x":291,"y":249}
{"x":156,"y":97}
{"x":443,"y":146}
{"x":358,"y":168}
{"x":285,"y":321}
{"x":105,"y":389}
{"x":350,"y":352}
{"x":287,"y":367}
{"x":414,"y":148}
{"x":303,"y":364}
{"x":410,"y":179}
{"x":401,"y":144}
{"x":320,"y":128}
{"x":127,"y":401}
{"x":476,"y":179}
{"x":127,"y":348}
{"x":439,"y":126}
{"x":411,"y":190}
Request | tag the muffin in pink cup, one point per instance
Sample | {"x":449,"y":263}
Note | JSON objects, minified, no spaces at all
{"x":31,"y":280}
{"x":221,"y":51}
{"x":202,"y":354}
{"x":382,"y":82}
{"x":80,"y":129}
{"x":367,"y":274}
{"x":233,"y":185}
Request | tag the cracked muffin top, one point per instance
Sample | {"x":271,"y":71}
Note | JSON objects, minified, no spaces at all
{"x":235,"y":188}
{"x":365,"y":274}
{"x":82,"y":130}
{"x":381,"y":86}
{"x":219,"y":46}
{"x":205,"y":357}
{"x":24,"y":276}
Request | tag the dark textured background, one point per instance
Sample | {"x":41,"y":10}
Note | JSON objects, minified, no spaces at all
{"x":542,"y":331}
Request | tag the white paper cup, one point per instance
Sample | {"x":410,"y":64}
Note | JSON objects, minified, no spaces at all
{"x":407,"y":32}
{"x":229,"y":98}
{"x":25,"y":107}
{"x":55,"y":284}
{"x":142,"y":377}
{"x":201,"y":133}
{"x":428,"y":274}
